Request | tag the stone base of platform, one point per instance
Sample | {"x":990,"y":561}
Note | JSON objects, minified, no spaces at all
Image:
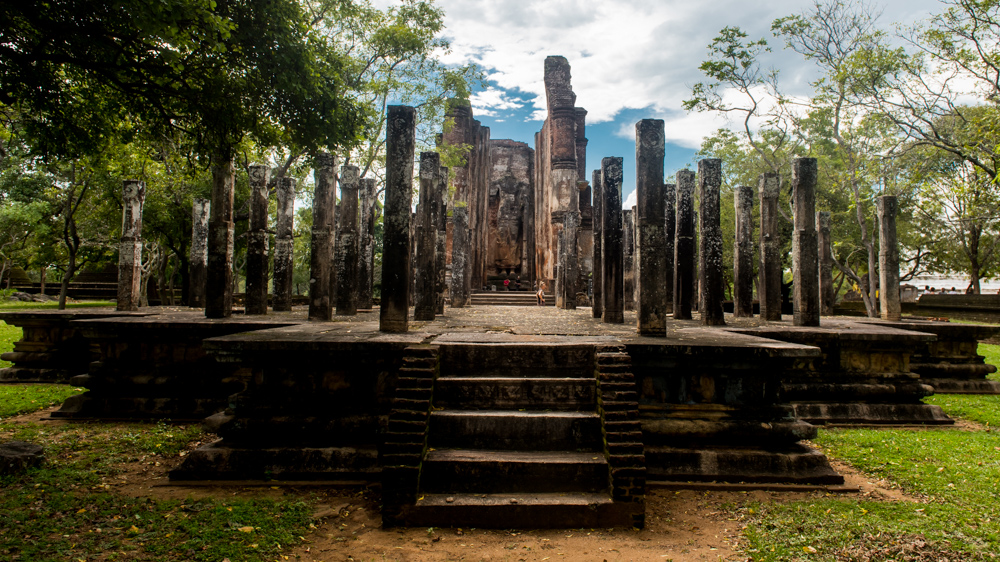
{"x":793,"y":464}
{"x":957,"y":386}
{"x":872,"y":414}
{"x":216,"y":461}
{"x":519,"y":511}
{"x":178,"y":408}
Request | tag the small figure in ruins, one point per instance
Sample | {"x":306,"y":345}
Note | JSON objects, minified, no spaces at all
{"x":540,"y":294}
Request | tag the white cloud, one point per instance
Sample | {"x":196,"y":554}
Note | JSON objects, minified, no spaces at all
{"x":630,"y":201}
{"x":625,"y":54}
{"x":492,"y":99}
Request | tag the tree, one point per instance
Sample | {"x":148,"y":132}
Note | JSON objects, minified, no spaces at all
{"x":851,"y":51}
{"x":955,"y":57}
{"x":957,"y":214}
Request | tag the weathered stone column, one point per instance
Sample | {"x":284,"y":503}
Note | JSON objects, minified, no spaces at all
{"x":684,"y":255}
{"x":669,"y":232}
{"x":769,"y":286}
{"x":598,"y":278}
{"x":400,"y":144}
{"x":630,"y":280}
{"x":347,"y":242}
{"x":425,"y":299}
{"x":284,"y":245}
{"x":440,"y":219}
{"x":323,"y":230}
{"x":219,"y":270}
{"x":651,"y":308}
{"x":888,"y":257}
{"x":366,"y":247}
{"x":805,"y":248}
{"x":710,"y":242}
{"x":199,"y":252}
{"x":568,"y":268}
{"x":256,"y":294}
{"x":459,"y":257}
{"x":613,"y":287}
{"x":826,"y":291}
{"x":743,"y":253}
{"x":130,"y":246}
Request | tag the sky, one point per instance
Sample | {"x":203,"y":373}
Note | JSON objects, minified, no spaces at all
{"x":630,"y":59}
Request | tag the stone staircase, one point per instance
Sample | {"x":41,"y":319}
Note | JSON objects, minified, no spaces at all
{"x":509,"y":298}
{"x":515,"y":439}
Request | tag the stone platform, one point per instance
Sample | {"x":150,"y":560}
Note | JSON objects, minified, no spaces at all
{"x":51,"y":350}
{"x":153,"y":366}
{"x":951,"y":363}
{"x":862,"y":377}
{"x":521,"y":405}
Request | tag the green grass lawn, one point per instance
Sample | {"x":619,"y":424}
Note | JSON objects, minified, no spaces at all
{"x":66,"y":510}
{"x":954,"y":474}
{"x":24,"y":398}
{"x":17,"y":305}
{"x":8,"y":335}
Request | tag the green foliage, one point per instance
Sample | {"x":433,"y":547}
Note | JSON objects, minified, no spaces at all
{"x":16,"y":399}
{"x":86,"y":73}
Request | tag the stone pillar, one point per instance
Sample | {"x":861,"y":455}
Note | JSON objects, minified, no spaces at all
{"x":323,"y":229}
{"x":219,"y":270}
{"x":581,"y":144}
{"x":613,"y":286}
{"x":651,"y":307}
{"x":888,"y":257}
{"x":256,"y":294}
{"x":459,"y":257}
{"x":400,"y":144}
{"x":440,"y":220}
{"x":347,"y":242}
{"x":568,"y":267}
{"x":769,"y":285}
{"x":826,"y":291}
{"x":598,"y":278}
{"x":130,"y":246}
{"x":629,"y":278}
{"x":684,"y":255}
{"x":284,"y":245}
{"x":805,"y":248}
{"x":366,"y":246}
{"x":669,"y":231}
{"x":199,"y":252}
{"x":425,"y":299}
{"x":710,"y":241}
{"x":743,"y":253}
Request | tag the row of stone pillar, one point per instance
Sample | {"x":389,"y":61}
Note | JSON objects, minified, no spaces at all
{"x":665,"y":243}
{"x":344,"y":251}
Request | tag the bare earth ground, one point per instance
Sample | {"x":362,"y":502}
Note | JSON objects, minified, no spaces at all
{"x":681,"y":525}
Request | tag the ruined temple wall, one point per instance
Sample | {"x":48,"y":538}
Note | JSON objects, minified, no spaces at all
{"x":560,"y":148}
{"x":510,"y":190}
{"x":479,"y":171}
{"x":546,"y":233}
{"x":469,"y":185}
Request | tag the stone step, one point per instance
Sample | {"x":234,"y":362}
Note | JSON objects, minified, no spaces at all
{"x":490,"y":471}
{"x":514,"y":430}
{"x":517,"y":360}
{"x":518,"y":511}
{"x":541,"y":393}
